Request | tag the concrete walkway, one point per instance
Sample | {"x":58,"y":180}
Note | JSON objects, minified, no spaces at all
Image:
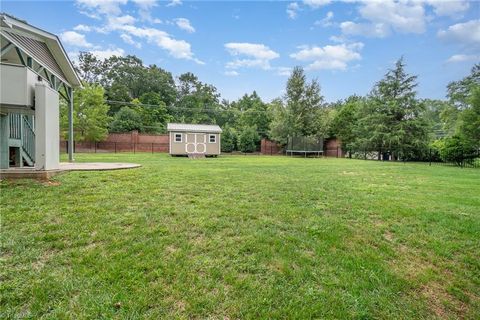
{"x":96,"y":166}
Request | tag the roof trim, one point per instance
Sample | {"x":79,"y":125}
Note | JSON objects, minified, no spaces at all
{"x":187,"y":127}
{"x":8,"y":21}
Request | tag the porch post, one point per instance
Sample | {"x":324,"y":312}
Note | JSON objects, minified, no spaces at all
{"x":70,"y":125}
{"x":4,"y":135}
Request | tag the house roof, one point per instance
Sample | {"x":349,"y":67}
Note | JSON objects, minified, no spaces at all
{"x":185,"y":127}
{"x":42,"y":46}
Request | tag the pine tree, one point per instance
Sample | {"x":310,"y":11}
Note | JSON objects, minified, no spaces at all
{"x":392,"y":119}
{"x":303,"y":102}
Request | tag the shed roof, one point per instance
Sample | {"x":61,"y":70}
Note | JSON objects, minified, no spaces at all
{"x":185,"y":127}
{"x":43,"y":46}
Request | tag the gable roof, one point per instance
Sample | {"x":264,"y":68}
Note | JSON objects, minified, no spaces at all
{"x":42,"y":46}
{"x":184,"y":127}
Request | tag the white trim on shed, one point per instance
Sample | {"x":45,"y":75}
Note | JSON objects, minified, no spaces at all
{"x":183,"y":127}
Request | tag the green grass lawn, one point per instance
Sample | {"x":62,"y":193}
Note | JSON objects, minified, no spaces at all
{"x":243,"y":237}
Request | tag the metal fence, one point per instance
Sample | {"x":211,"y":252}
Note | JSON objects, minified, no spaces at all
{"x":457,"y":158}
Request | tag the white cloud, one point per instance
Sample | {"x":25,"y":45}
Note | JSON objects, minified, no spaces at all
{"x":144,"y":9}
{"x":327,"y":21}
{"x":255,"y":50}
{"x":121,"y":20}
{"x":179,"y":49}
{"x":255,"y":55}
{"x":401,"y":16}
{"x":231,"y":73}
{"x":284,"y":71}
{"x":109,"y":7}
{"x":128,"y":39}
{"x":449,"y":7}
{"x":248,"y":63}
{"x":338,"y":39}
{"x":75,"y":39}
{"x":292,"y":10}
{"x":184,"y":24}
{"x":466,"y":33}
{"x":105,"y":54}
{"x":146,"y":4}
{"x":316,"y":3}
{"x":100,"y":54}
{"x":125,"y":25}
{"x":174,"y":3}
{"x":330,"y":57}
{"x":82,"y":27}
{"x":383,"y":17}
{"x":463,"y":58}
{"x":378,"y":30}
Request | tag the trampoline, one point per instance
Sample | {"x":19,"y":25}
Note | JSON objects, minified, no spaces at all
{"x":305,"y":146}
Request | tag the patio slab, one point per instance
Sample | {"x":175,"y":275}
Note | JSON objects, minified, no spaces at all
{"x":31,"y":173}
{"x":96,"y":166}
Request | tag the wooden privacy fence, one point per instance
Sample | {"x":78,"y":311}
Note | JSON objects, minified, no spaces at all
{"x":141,"y":142}
{"x":115,"y":147}
{"x":124,"y":142}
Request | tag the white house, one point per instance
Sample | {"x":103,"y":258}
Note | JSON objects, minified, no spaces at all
{"x":35,"y":72}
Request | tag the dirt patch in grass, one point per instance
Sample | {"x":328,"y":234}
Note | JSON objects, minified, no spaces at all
{"x":430,"y":282}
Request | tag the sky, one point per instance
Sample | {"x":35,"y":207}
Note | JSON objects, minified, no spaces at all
{"x":252,"y":45}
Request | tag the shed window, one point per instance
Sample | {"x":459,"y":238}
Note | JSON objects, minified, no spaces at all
{"x":178,"y":137}
{"x":212,"y":138}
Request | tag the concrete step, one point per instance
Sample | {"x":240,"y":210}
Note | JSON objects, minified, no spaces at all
{"x":196,"y":155}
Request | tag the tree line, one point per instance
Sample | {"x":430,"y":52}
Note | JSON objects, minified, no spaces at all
{"x":121,"y":94}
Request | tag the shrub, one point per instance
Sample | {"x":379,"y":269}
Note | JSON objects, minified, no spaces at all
{"x":457,"y":150}
{"x":229,"y":139}
{"x":248,"y":139}
{"x":126,"y":120}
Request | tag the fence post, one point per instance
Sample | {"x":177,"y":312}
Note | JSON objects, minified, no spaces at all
{"x":95,"y":146}
{"x":134,"y":144}
{"x":115,"y":147}
{"x":74,"y":146}
{"x":430,"y":156}
{"x":152,"y":147}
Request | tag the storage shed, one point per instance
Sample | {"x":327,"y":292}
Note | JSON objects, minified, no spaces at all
{"x":194,"y":139}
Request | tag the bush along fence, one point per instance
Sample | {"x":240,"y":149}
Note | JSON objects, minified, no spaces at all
{"x":431,"y":156}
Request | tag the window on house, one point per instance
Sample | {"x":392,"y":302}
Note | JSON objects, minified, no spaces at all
{"x":212,"y":138}
{"x":178,"y":137}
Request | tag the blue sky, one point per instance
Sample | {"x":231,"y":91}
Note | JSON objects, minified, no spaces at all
{"x":251,"y":45}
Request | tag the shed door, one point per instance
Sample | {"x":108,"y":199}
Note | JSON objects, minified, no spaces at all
{"x":195,"y":143}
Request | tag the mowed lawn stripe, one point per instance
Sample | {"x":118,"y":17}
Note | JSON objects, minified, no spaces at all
{"x":243,"y":237}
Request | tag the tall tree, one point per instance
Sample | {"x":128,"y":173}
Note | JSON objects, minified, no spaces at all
{"x":302,"y":105}
{"x":127,"y":119}
{"x":469,"y":120}
{"x":90,"y":117}
{"x":345,"y":120}
{"x":89,"y":67}
{"x":303,"y":102}
{"x":392,"y":119}
{"x":197,"y":102}
{"x":459,"y":91}
{"x":154,"y":112}
{"x":253,"y":112}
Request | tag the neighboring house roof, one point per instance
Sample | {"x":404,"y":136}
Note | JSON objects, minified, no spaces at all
{"x":42,"y":46}
{"x":184,"y":127}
